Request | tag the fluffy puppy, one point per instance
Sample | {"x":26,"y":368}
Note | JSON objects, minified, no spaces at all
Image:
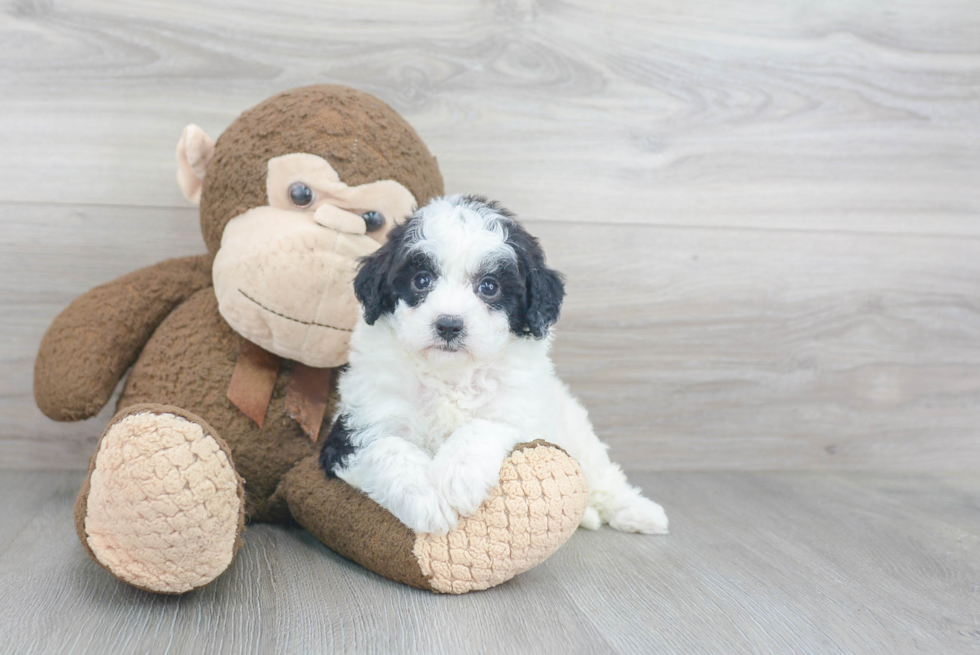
{"x":449,"y":370}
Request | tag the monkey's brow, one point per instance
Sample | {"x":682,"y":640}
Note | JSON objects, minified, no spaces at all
{"x":290,"y":318}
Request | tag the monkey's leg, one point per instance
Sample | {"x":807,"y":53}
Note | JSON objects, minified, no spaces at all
{"x":534,"y":509}
{"x":162,"y":507}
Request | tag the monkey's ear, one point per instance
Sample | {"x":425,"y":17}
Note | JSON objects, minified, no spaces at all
{"x":194,"y":151}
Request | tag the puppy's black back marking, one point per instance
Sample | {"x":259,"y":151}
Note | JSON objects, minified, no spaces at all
{"x":336,"y":448}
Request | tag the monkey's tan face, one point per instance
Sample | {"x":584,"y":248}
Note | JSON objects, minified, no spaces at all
{"x":284,"y":273}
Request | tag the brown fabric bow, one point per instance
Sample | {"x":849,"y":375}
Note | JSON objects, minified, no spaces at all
{"x":254,"y":379}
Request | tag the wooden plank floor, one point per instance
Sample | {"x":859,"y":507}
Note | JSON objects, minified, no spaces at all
{"x":756,"y":562}
{"x":768,"y":216}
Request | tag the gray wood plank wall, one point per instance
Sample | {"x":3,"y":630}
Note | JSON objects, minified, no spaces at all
{"x":768,"y":212}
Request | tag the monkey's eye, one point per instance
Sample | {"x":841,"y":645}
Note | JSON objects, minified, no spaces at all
{"x":300,"y":194}
{"x":373,"y":220}
{"x":421,"y":281}
{"x":489,"y":288}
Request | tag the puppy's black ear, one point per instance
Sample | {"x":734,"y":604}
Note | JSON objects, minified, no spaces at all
{"x":544,"y":287}
{"x":372,"y":285}
{"x":545,"y":292}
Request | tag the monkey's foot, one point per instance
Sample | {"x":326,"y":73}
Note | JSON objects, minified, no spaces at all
{"x":162,"y":508}
{"x":534,"y":509}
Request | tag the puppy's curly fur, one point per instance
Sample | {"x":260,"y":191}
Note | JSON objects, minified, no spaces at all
{"x":449,"y":370}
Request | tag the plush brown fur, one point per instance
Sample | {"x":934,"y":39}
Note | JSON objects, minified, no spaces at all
{"x":352,"y":524}
{"x":90,"y":344}
{"x":163,"y":321}
{"x":362,"y":138}
{"x":188,"y":363}
{"x":355,"y":526}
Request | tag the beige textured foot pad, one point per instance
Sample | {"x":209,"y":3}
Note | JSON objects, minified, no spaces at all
{"x":162,"y":507}
{"x":536,"y":507}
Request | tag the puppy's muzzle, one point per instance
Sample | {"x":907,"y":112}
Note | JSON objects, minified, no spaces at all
{"x":449,"y":327}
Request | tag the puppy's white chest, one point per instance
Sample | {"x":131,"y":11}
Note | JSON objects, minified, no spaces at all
{"x":444,"y":407}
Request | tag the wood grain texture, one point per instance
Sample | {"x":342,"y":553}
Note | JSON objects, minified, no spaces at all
{"x":767,"y":213}
{"x":710,"y":349}
{"x":756,"y":349}
{"x":787,"y":563}
{"x":802,"y":563}
{"x":55,"y":254}
{"x":838,"y":115}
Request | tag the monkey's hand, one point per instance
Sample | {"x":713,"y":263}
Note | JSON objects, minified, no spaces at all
{"x":90,"y":345}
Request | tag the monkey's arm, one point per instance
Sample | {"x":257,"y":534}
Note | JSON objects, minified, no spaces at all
{"x":94,"y":340}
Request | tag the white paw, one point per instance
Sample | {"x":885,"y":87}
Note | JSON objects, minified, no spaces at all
{"x":425,"y":510}
{"x":465,"y":482}
{"x":640,"y":515}
{"x":591,"y":519}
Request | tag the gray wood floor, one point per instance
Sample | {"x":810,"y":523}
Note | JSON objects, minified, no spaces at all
{"x":768,"y":216}
{"x":756,"y":562}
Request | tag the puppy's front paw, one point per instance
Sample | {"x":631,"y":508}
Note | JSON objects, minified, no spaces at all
{"x":425,"y":510}
{"x":640,"y":515}
{"x":465,"y":482}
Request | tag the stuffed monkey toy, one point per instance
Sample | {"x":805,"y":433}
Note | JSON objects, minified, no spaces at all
{"x":232,"y":358}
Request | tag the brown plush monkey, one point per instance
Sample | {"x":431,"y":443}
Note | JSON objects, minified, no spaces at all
{"x":222,"y":413}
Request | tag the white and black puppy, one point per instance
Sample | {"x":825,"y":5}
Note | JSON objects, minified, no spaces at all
{"x":449,"y":370}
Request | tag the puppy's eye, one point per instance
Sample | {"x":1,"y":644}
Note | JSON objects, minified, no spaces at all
{"x":421,"y":281}
{"x":373,"y":220}
{"x":489,"y":288}
{"x":300,"y":194}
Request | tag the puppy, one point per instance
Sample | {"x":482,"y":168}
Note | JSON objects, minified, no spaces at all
{"x":449,"y":370}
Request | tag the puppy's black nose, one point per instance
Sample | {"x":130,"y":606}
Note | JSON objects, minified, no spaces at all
{"x":449,"y":327}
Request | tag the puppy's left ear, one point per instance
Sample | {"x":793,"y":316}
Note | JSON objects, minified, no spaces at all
{"x":545,"y":292}
{"x":372,"y":286}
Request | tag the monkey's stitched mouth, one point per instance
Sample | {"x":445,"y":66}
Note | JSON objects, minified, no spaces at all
{"x":290,"y":318}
